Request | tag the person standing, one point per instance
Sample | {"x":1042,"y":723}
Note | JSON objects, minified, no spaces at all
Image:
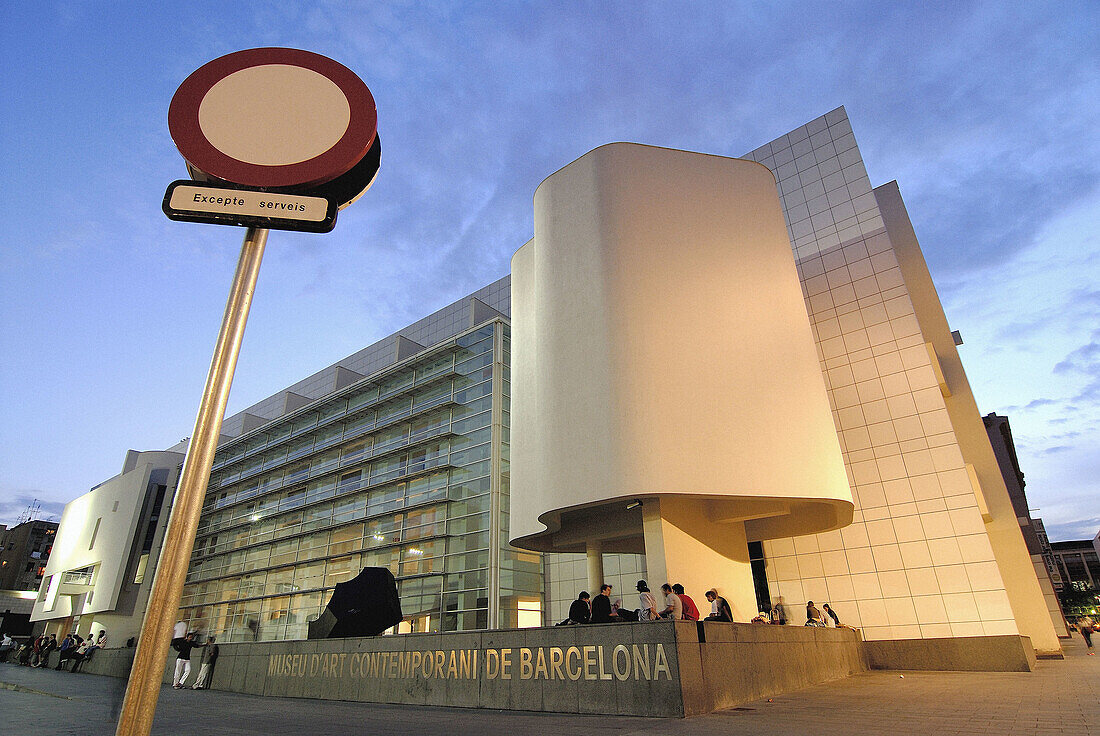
{"x":579,"y":611}
{"x":183,"y":659}
{"x":63,"y":651}
{"x":691,"y":611}
{"x":673,"y":609}
{"x":719,"y":608}
{"x":206,"y":664}
{"x":7,"y":645}
{"x":648,"y":604}
{"x":1086,"y":626}
{"x":602,"y":612}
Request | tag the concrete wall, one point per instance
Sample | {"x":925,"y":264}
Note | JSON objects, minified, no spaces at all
{"x":964,"y":653}
{"x":647,"y":669}
{"x":739,"y":663}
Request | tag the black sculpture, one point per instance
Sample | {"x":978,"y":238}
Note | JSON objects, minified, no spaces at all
{"x":366,"y":605}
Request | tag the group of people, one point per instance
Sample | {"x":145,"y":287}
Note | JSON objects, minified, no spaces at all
{"x":36,"y":651}
{"x":183,"y":646}
{"x":814,"y":617}
{"x":675,"y":604}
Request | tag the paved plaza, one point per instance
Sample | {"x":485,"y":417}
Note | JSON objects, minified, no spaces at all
{"x":1059,"y":697}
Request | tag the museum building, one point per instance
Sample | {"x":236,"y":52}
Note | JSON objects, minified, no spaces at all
{"x":400,"y":454}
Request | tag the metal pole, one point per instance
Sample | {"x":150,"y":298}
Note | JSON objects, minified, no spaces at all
{"x":143,"y":689}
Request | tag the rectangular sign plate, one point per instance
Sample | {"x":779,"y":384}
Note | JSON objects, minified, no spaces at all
{"x":191,"y":201}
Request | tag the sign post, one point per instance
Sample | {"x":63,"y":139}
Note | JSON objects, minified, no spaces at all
{"x":273,"y":138}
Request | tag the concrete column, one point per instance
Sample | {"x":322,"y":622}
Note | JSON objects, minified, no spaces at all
{"x":683,"y":546}
{"x":594,"y":549}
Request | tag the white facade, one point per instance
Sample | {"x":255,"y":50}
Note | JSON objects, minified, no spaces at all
{"x":96,"y":571}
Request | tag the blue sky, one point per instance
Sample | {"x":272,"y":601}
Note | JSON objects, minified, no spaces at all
{"x":986,"y":113}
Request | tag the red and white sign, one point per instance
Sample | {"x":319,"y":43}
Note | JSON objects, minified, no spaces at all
{"x":275,"y":117}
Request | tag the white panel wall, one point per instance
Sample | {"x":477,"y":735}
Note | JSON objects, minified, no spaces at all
{"x":916,"y":561}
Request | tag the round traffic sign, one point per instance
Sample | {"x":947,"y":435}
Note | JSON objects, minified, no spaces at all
{"x":277,"y":118}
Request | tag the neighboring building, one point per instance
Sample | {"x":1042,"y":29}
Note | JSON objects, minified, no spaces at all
{"x":101,"y":570}
{"x":395,"y":457}
{"x":934,"y":548}
{"x":1035,"y":537}
{"x":25,"y":551}
{"x":1079,"y":563}
{"x":15,"y":613}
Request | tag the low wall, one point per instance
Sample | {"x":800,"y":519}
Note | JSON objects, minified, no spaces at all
{"x":1009,"y":653}
{"x":738,"y":663}
{"x":660,"y":668}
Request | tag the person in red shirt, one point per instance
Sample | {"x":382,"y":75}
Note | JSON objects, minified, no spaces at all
{"x":691,"y":613}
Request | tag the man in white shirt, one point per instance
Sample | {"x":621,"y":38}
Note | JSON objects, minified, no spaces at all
{"x":674,"y":609}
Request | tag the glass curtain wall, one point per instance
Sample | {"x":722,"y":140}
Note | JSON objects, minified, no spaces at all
{"x":395,"y":471}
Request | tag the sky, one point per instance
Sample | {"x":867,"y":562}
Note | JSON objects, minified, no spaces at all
{"x":987,"y":114}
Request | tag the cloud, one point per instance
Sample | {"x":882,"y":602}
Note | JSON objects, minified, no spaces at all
{"x":1073,"y":530}
{"x":11,"y":509}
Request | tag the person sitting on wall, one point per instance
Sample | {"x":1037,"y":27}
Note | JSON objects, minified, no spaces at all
{"x":602,"y":610}
{"x":690,"y":610}
{"x":82,"y":654}
{"x":719,"y":609}
{"x":623,"y":614}
{"x":832,"y":615}
{"x":648,"y":609}
{"x":813,"y":616}
{"x":26,"y":652}
{"x":673,"y":609}
{"x":580,"y":611}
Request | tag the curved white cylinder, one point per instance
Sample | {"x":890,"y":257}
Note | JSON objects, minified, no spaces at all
{"x":662,"y":349}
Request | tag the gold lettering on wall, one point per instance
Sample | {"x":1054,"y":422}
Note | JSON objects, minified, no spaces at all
{"x":569,"y":663}
{"x":590,"y":663}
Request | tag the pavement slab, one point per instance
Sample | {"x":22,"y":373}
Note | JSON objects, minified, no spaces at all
{"x":1059,"y":697}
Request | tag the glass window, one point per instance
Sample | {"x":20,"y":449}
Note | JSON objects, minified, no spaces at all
{"x":284,"y":552}
{"x":295,"y":473}
{"x":346,"y":539}
{"x":362,"y":397}
{"x":313,"y":545}
{"x":304,"y":423}
{"x":310,"y":575}
{"x":324,"y":462}
{"x":360,"y":424}
{"x":329,"y":435}
{"x":288,"y":524}
{"x":355,"y":452}
{"x":396,"y":383}
{"x":333,"y":409}
{"x":341,"y":569}
{"x":434,"y":367}
{"x":299,"y":447}
{"x":280,"y":581}
{"x":320,"y":489}
{"x":348,"y":509}
{"x":393,"y":410}
{"x":317,"y":516}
